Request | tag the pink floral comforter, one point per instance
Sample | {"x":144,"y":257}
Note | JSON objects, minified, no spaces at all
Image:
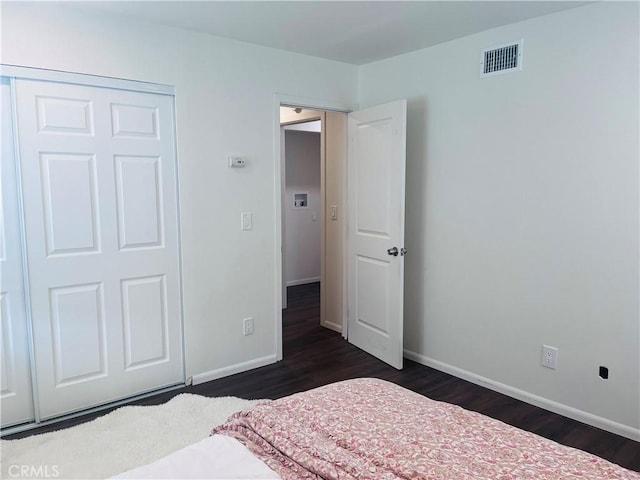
{"x":372,"y":429}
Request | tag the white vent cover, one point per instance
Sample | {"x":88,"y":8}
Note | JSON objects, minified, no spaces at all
{"x":501,"y":59}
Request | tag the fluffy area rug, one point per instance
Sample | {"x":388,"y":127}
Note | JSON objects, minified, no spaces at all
{"x":118,"y":441}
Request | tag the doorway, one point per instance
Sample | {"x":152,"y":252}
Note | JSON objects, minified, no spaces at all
{"x":370,"y":248}
{"x":313,"y":159}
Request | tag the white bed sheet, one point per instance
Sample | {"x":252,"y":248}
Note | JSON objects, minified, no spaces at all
{"x":216,"y":457}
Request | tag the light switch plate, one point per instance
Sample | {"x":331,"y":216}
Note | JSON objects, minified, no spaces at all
{"x":246,"y":221}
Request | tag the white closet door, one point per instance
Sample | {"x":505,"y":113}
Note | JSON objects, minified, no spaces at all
{"x":100,"y":207}
{"x":16,"y":402}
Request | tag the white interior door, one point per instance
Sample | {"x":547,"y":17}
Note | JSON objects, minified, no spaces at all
{"x":16,"y":401}
{"x":375,"y":240}
{"x":100,"y":206}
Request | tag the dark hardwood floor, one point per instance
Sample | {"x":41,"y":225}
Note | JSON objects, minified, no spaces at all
{"x":315,"y":356}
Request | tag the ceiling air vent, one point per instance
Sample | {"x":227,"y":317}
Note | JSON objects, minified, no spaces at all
{"x":501,"y":59}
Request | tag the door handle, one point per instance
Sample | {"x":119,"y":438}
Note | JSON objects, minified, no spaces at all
{"x":403,"y":252}
{"x":393,"y":251}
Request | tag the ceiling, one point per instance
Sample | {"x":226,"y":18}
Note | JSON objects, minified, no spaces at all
{"x":355,"y":32}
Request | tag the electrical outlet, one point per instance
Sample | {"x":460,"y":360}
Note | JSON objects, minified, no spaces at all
{"x":603,"y":372}
{"x":247,"y":326}
{"x":549,"y":357}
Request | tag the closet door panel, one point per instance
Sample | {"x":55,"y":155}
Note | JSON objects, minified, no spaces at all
{"x":98,"y":173}
{"x":69,"y":203}
{"x":66,"y":116}
{"x":16,"y":402}
{"x":145,"y":321}
{"x":139,"y":197}
{"x":77,"y":312}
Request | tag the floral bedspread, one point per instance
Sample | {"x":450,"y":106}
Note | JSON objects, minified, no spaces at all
{"x":372,"y":429}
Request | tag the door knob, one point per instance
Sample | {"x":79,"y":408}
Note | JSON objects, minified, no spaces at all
{"x":403,"y":252}
{"x":393,"y":251}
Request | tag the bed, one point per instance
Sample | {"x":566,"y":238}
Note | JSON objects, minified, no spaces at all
{"x":373,"y":429}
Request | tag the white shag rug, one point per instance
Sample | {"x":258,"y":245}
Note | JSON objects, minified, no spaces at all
{"x":128,"y":437}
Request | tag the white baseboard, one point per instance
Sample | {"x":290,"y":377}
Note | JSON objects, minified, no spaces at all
{"x":302,"y":281}
{"x":233,"y":369}
{"x":333,"y":326}
{"x":559,"y":408}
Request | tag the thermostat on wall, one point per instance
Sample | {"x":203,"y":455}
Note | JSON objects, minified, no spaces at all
{"x":237,"y":162}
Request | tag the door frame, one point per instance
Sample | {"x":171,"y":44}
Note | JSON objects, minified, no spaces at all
{"x":302,"y":102}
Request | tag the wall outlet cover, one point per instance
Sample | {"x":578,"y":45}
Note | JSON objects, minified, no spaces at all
{"x":247,"y":326}
{"x":549,"y":357}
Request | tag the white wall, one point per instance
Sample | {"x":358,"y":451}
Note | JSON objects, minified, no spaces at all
{"x":522,"y":209}
{"x":224,"y":89}
{"x":303,"y":225}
